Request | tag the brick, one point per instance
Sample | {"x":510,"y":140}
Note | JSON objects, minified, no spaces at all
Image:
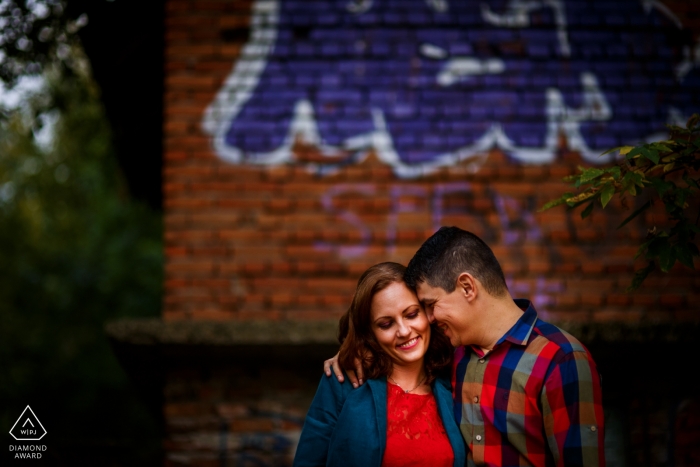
{"x":591,"y":299}
{"x":308,"y":267}
{"x":188,"y":235}
{"x":674,"y":301}
{"x":252,"y":425}
{"x":270,"y":315}
{"x":592,"y":266}
{"x":175,"y":251}
{"x":211,"y":315}
{"x":314,"y":315}
{"x":174,"y":155}
{"x":617,"y":299}
{"x":189,"y":267}
{"x":234,"y":21}
{"x":175,"y":315}
{"x":610,"y":315}
{"x":566,"y":268}
{"x":538,"y":266}
{"x":184,"y":409}
{"x":643,"y":299}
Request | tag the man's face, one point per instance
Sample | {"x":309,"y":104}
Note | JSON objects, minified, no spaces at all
{"x":449,"y":310}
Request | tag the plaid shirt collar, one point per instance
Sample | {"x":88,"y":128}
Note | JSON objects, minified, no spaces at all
{"x":519,"y":334}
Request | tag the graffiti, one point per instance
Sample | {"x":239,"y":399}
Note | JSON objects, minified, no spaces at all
{"x":649,"y":5}
{"x":349,"y":217}
{"x":327,"y":87}
{"x":516,"y":225}
{"x":518,"y":16}
{"x":691,"y":60}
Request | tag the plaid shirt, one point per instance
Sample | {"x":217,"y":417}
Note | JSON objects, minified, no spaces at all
{"x":534,"y":400}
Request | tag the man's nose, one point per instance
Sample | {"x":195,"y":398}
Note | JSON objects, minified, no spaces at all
{"x":431,"y":316}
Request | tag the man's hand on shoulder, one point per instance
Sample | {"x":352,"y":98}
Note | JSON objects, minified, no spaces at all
{"x":356,"y":376}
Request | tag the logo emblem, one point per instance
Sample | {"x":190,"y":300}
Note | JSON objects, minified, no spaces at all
{"x":27,"y":427}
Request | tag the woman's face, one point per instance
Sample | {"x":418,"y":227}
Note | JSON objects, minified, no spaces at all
{"x":400,"y":325}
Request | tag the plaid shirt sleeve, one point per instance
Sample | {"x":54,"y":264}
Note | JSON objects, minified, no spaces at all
{"x":573,"y":411}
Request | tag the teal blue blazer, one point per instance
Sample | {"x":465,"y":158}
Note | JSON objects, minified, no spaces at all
{"x":347,"y":427}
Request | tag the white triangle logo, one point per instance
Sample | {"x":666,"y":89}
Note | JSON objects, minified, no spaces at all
{"x":28,"y":427}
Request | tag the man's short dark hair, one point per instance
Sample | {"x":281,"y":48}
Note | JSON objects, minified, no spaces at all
{"x":449,"y":252}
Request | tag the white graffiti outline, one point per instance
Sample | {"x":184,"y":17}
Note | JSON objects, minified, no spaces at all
{"x":691,"y":60}
{"x":649,"y":5}
{"x":241,"y":83}
{"x":362,"y":6}
{"x":517,"y":15}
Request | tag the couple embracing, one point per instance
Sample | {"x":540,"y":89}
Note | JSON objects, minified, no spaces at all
{"x":457,"y":372}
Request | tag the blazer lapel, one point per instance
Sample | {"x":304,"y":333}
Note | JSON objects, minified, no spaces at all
{"x":443,"y":398}
{"x":378,"y":387}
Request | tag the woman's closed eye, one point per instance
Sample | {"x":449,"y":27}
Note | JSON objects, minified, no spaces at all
{"x":413,"y":314}
{"x":384,"y":324}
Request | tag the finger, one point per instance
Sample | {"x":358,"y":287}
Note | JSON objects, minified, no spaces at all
{"x":338,"y":372}
{"x":327,"y":365}
{"x":360,"y":374}
{"x":353,"y":378}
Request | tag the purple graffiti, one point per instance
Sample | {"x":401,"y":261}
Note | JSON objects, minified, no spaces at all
{"x":429,"y":83}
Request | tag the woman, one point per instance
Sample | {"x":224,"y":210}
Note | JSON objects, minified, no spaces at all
{"x":403,"y":416}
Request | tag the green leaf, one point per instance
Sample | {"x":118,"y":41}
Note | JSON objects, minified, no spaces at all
{"x":637,"y":212}
{"x":606,"y":194}
{"x":556,"y":202}
{"x":691,"y":181}
{"x":590,"y":174}
{"x":661,"y":248}
{"x":661,"y":185}
{"x":640,"y":275}
{"x":579,"y":199}
{"x":611,"y":150}
{"x":587,"y":212}
{"x":614,"y":172}
{"x":692,"y":121}
{"x":650,"y":154}
{"x":634,"y":152}
{"x":684,"y":255}
{"x":642,"y":248}
{"x":661,"y":147}
{"x":625,"y":150}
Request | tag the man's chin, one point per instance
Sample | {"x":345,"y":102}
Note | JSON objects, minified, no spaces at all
{"x":446,"y":331}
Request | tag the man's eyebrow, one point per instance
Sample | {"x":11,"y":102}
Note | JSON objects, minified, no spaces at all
{"x":427,"y":301}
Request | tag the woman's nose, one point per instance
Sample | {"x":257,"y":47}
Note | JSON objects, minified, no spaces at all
{"x":403,"y":329}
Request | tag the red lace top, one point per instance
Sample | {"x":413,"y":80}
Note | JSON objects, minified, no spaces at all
{"x":415,"y":435}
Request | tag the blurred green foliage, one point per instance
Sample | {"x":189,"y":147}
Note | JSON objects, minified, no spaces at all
{"x":75,"y":252}
{"x":662,"y":172}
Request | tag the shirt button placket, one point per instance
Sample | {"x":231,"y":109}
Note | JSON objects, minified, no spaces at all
{"x":479,"y":428}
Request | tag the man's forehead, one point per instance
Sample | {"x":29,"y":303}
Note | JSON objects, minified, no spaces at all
{"x":426,"y":292}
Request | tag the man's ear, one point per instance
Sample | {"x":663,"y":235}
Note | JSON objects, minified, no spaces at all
{"x":467,"y":286}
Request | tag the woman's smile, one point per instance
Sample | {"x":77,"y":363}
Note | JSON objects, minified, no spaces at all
{"x":410,"y":344}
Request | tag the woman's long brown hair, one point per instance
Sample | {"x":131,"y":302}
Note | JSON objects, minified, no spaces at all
{"x":357,"y":338}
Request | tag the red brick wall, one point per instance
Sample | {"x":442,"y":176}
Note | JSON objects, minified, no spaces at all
{"x":278,"y":242}
{"x":283,"y":242}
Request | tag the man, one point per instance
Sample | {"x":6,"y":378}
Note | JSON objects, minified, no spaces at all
{"x":526,"y":393}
